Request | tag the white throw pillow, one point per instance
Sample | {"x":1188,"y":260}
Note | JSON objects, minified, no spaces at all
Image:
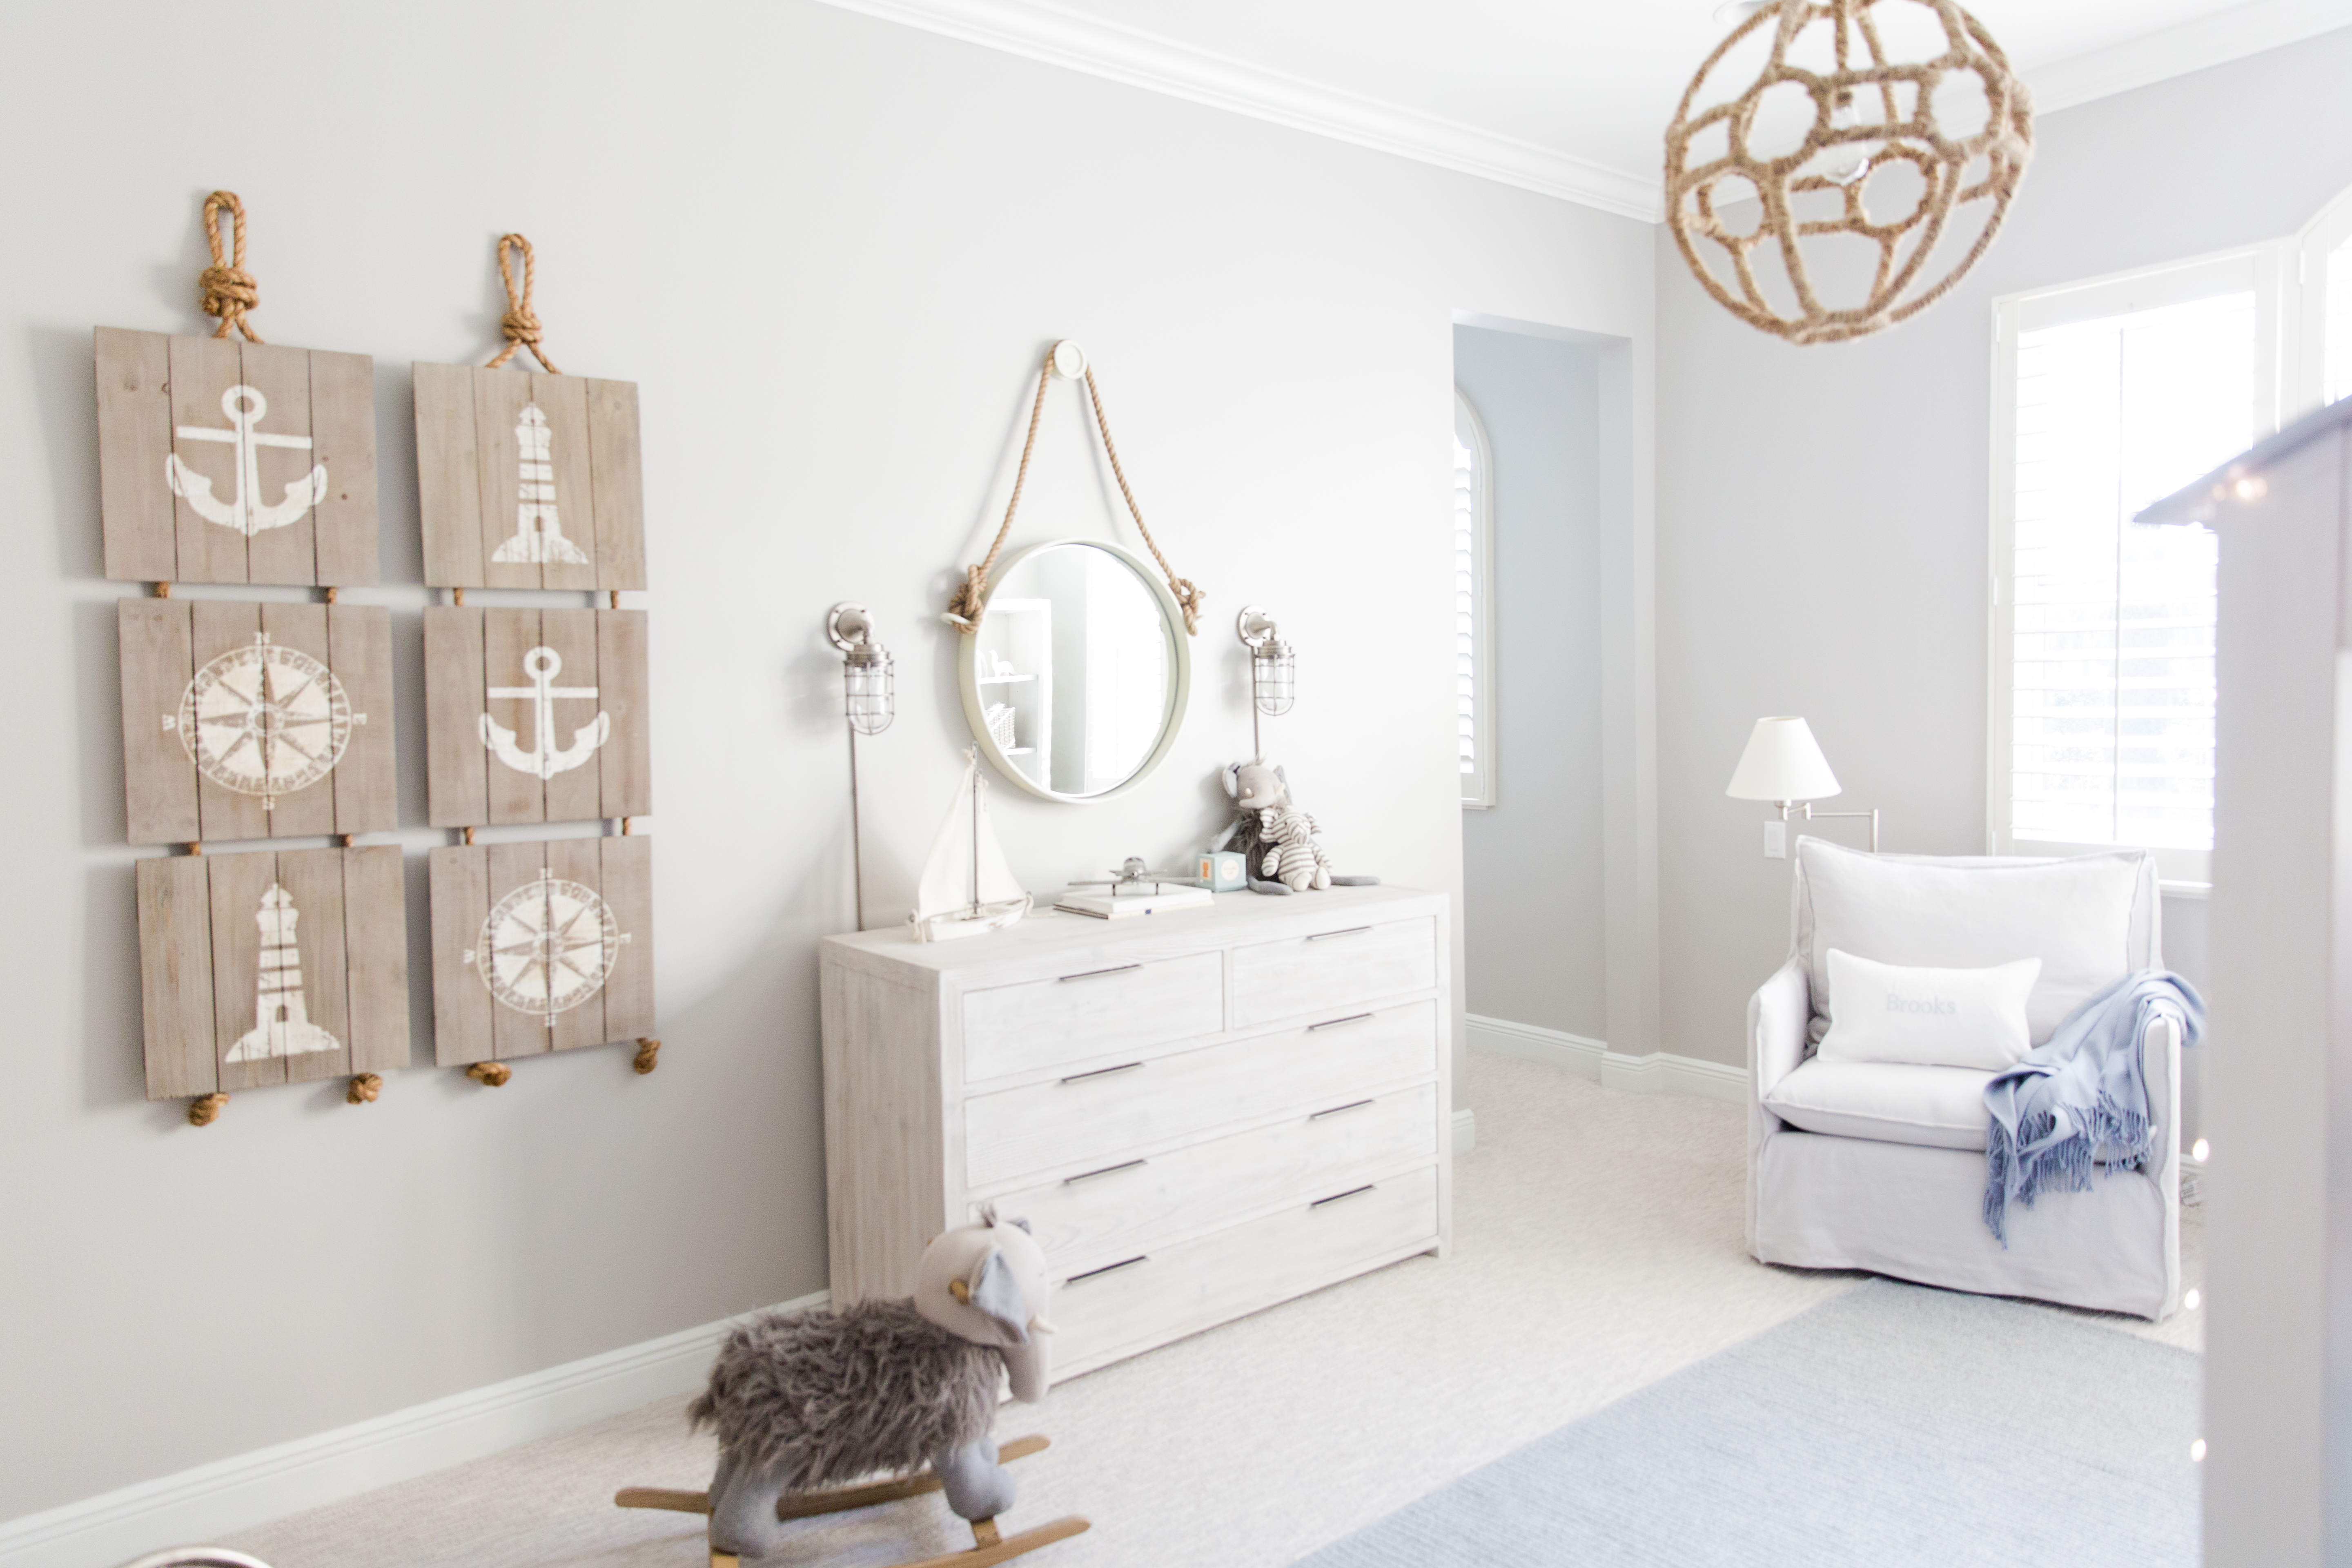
{"x":1928,"y":1017}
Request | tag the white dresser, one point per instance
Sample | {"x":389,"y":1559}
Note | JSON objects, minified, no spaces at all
{"x":1200,"y":1113}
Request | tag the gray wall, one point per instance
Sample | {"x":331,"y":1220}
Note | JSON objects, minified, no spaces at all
{"x":830,"y":250}
{"x":1823,"y":512}
{"x":1531,"y":863}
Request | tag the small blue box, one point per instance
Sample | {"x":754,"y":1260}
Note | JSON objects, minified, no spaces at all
{"x":1222,"y":870}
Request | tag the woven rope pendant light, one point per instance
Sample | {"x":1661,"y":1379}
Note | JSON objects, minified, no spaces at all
{"x":1878,"y":139}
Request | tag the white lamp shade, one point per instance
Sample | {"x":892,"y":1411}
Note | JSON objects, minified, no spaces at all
{"x":1782,"y":762}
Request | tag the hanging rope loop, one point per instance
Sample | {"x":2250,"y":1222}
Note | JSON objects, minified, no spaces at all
{"x":520,"y":323}
{"x":226,"y":288}
{"x":963,"y":610}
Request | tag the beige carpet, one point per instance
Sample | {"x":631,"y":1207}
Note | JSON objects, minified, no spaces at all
{"x":1598,"y":1248}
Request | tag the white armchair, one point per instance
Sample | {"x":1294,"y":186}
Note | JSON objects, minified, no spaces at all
{"x":1880,"y":1166}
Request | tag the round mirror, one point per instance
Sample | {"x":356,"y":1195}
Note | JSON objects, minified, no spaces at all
{"x":1076,"y":679}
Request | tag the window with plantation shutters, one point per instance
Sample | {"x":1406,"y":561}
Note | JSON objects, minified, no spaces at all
{"x":1473,"y":634}
{"x":2110,"y":397}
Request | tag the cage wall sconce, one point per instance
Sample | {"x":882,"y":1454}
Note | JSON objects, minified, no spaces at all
{"x":869,"y":699}
{"x":1274,"y":670}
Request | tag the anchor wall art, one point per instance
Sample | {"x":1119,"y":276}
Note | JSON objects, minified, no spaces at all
{"x":243,"y":721}
{"x":278,"y":967}
{"x":222,"y":462}
{"x":535,"y":716}
{"x":540,"y":946}
{"x":529,"y":480}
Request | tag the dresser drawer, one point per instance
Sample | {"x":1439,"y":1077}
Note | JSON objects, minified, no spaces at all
{"x":1102,"y":1215}
{"x":1305,"y":974}
{"x":1098,"y":1007}
{"x":1158,"y":1296}
{"x":1100,"y":1116}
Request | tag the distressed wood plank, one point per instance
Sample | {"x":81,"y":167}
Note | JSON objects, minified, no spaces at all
{"x":628,"y":888}
{"x":459,"y":892}
{"x":499,"y":398}
{"x":218,"y":627}
{"x":203,"y":370}
{"x":457,"y":778}
{"x":309,"y":811}
{"x":563,"y":399}
{"x":238,"y":884}
{"x":314,"y":879}
{"x":626,"y":760}
{"x":576,"y":860}
{"x":159,"y":780}
{"x":513,"y":865}
{"x":507,"y":639}
{"x":289,"y":553}
{"x":366,"y":781}
{"x":616,"y":484}
{"x":342,"y":437}
{"x":375,"y":941}
{"x":576,"y":793}
{"x":134,"y":439}
{"x":448,"y":476}
{"x":175,"y":976}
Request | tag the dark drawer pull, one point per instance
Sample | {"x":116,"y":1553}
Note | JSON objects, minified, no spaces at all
{"x":1351,"y":931}
{"x":1102,"y":1072}
{"x":1335,"y":1198}
{"x":1351,"y":1105}
{"x":1107,"y":1170}
{"x":1090,"y":974}
{"x":1334,"y":1023}
{"x":1106,"y":1268}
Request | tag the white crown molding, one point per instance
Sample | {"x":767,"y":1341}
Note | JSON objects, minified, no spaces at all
{"x":1055,"y":37}
{"x":213,"y":1500}
{"x":2176,"y":51}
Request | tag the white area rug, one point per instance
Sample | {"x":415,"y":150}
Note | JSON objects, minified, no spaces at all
{"x":1597,"y":1249}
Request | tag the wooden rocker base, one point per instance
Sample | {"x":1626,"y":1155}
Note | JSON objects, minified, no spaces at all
{"x":988,"y":1546}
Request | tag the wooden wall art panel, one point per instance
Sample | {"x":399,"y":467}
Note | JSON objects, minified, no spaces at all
{"x":222,"y":462}
{"x":535,"y":716}
{"x":276,"y":967}
{"x":540,"y":946}
{"x":243,"y":721}
{"x":529,"y":480}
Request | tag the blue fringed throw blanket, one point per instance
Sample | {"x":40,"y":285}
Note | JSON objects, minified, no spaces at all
{"x":2080,"y":1093}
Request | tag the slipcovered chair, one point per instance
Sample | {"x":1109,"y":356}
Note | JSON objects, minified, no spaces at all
{"x":1881,"y":1166}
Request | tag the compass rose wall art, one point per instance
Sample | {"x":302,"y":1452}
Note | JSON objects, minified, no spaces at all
{"x":540,"y":946}
{"x":245,"y":721}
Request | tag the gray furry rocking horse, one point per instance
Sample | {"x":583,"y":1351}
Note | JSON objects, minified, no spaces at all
{"x":807,"y":1404}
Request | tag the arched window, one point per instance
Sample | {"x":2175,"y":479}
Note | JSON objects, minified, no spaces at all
{"x":1474,"y":600}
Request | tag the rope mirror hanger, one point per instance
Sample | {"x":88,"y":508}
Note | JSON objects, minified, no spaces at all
{"x":1870,"y":113}
{"x":1067,"y":360}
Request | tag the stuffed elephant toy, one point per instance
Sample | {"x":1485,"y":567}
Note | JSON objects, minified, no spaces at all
{"x":1275,"y":838}
{"x":803,"y":1400}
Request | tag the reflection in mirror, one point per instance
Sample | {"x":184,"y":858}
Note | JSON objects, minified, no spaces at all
{"x":1075,"y":669}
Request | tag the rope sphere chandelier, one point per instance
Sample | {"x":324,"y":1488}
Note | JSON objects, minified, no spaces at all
{"x":1881,"y":123}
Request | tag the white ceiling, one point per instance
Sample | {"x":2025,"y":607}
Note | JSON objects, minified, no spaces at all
{"x":1565,"y":95}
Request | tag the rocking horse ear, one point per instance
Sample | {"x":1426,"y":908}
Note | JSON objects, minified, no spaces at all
{"x":1232,"y":774}
{"x":1280,"y":773}
{"x":997,"y":1293}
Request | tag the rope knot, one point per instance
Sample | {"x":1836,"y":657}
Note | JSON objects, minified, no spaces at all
{"x":226,"y":290}
{"x":963,"y":609}
{"x":520,"y":323}
{"x":1189,"y":600}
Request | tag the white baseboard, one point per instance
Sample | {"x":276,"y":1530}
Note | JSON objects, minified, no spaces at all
{"x":1658,"y":1072}
{"x":210,"y":1501}
{"x":1465,"y":1131}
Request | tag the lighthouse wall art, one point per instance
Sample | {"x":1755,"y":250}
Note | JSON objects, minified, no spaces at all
{"x":276,"y":967}
{"x":527,"y":479}
{"x":223,"y":461}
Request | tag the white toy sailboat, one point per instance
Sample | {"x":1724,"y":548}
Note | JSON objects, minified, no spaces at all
{"x":967,"y":888}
